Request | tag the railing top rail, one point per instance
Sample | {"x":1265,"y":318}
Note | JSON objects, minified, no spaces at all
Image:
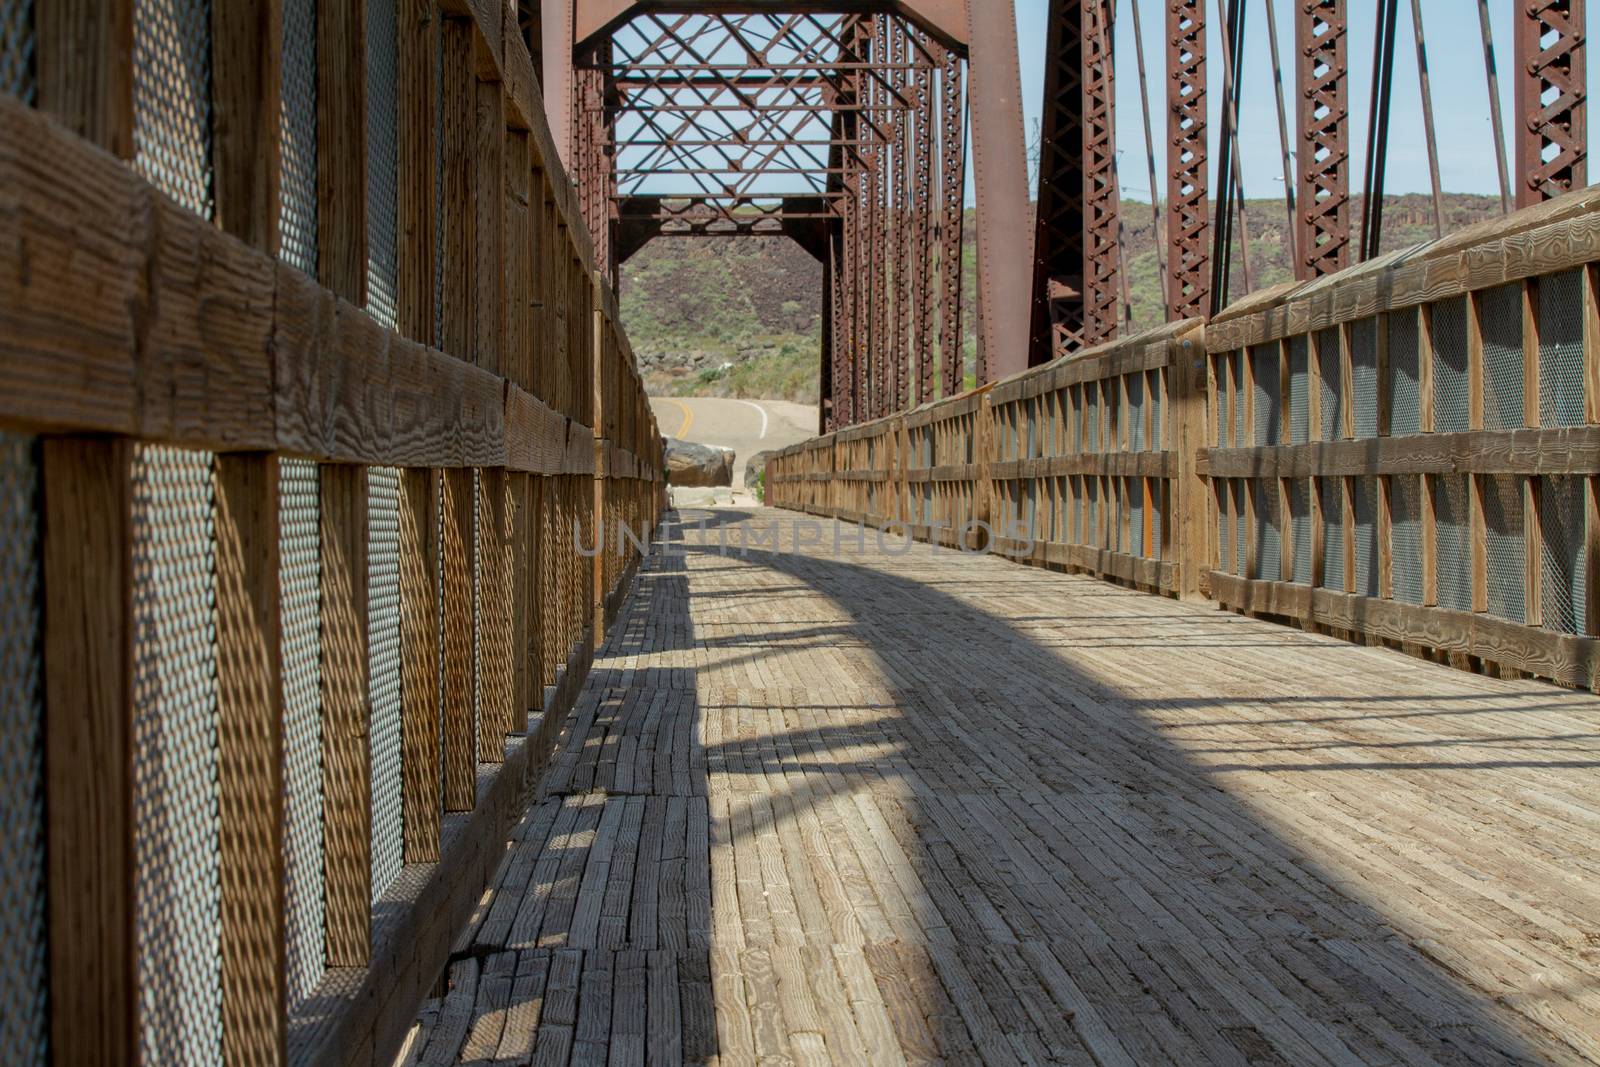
{"x":1141,"y":351}
{"x":1550,"y":237}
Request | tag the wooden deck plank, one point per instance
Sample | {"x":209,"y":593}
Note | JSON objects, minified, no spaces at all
{"x":936,"y":808}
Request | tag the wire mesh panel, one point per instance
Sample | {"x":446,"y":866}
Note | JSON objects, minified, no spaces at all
{"x":1300,"y":531}
{"x":1364,"y":376}
{"x":1136,"y":412}
{"x":177,"y":889}
{"x":1405,"y":537}
{"x":1236,"y":373}
{"x":1330,"y":375}
{"x":1561,"y":349}
{"x":1075,"y":514}
{"x":1133,"y":500}
{"x":1115,"y":515}
{"x":1451,"y":396}
{"x":1564,"y":578}
{"x":172,"y":98}
{"x":297,"y":121}
{"x":1030,"y":509}
{"x":17,"y":77}
{"x":1224,"y":417}
{"x":1111,"y":400}
{"x":1503,"y":546}
{"x":381,"y":162}
{"x":383,"y":671}
{"x":1502,"y":358}
{"x":1221,"y":499}
{"x":1091,"y":511}
{"x":1091,"y":417}
{"x":1158,"y":410}
{"x":1405,"y":374}
{"x":1331,"y":491}
{"x":24,"y":1024}
{"x":1299,"y":389}
{"x":1365,"y":498}
{"x":1452,"y":511}
{"x":1269,"y":526}
{"x":1158,"y":506}
{"x":300,"y":574}
{"x":1264,"y":368}
{"x":1240,"y":549}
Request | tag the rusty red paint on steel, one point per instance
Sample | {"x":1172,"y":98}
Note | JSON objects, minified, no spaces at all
{"x":1000,"y":180}
{"x":1057,"y":311}
{"x":901,"y":217}
{"x":1188,"y":223}
{"x":952,"y":167}
{"x":1552,"y":146}
{"x":1323,"y":128}
{"x":725,"y":106}
{"x":923,"y":223}
{"x":1101,"y":202}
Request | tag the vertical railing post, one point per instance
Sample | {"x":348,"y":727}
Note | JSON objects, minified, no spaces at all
{"x":84,"y":62}
{"x":983,"y":456}
{"x":457,"y":549}
{"x":346,"y":734}
{"x":88,"y":589}
{"x":422,"y":798}
{"x":597,"y":345}
{"x":250,"y":760}
{"x":1188,"y":375}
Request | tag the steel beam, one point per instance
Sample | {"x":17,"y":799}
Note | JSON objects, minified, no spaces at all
{"x":946,"y":20}
{"x":1552,"y":144}
{"x":1188,"y":222}
{"x":1000,"y":172}
{"x":1056,"y":322}
{"x":952,"y":171}
{"x":923,"y":222}
{"x":1101,"y":200}
{"x":1322,"y":240}
{"x":555,"y":25}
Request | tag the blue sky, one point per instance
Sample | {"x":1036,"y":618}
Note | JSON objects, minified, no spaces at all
{"x":1455,"y":61}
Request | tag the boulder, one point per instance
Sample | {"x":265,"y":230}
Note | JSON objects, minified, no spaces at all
{"x":754,"y":467}
{"x":698,"y":465}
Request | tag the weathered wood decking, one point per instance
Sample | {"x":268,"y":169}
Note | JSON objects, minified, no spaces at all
{"x":857,"y":807}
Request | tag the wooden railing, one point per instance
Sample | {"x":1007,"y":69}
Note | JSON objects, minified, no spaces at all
{"x":1405,"y":452}
{"x":1075,"y":464}
{"x":306,"y":380}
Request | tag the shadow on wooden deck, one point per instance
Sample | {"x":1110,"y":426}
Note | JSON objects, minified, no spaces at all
{"x":869,"y":807}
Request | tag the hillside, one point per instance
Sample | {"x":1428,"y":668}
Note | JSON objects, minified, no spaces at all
{"x":742,"y":316}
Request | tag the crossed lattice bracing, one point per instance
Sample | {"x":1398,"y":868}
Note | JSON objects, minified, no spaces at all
{"x":1552,"y":145}
{"x":1188,"y":246}
{"x":1323,"y":238}
{"x":823,"y":127}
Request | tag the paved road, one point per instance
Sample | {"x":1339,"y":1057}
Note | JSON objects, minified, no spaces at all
{"x":746,"y":426}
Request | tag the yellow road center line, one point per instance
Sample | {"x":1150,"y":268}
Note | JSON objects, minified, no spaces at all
{"x":688,"y":417}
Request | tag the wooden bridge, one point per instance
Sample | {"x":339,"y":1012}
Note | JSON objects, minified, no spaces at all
{"x":1221,"y":693}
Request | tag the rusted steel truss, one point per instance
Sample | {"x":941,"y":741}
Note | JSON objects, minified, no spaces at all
{"x":1059,"y":250}
{"x":1101,"y":201}
{"x":1188,"y":223}
{"x":822,"y":127}
{"x":952,"y":169}
{"x":1076,"y":258}
{"x":1551,"y":134}
{"x":1322,"y":242}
